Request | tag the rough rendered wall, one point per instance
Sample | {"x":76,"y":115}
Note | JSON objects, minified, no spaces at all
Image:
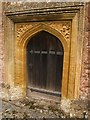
{"x":1,"y":47}
{"x":85,"y":76}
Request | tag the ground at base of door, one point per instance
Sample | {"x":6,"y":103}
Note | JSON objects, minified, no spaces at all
{"x":32,"y":108}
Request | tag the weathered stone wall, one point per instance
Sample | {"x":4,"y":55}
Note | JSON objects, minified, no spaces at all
{"x":84,"y":83}
{"x":2,"y":72}
{"x":3,"y":83}
{"x":1,"y":47}
{"x":85,"y":75}
{"x":28,"y":6}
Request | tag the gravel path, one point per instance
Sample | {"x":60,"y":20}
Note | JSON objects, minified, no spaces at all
{"x":39,"y":108}
{"x":31,"y":108}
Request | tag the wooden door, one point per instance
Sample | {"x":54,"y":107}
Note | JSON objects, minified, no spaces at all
{"x":44,"y":63}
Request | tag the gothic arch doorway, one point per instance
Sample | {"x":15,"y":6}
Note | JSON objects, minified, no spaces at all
{"x":44,"y":61}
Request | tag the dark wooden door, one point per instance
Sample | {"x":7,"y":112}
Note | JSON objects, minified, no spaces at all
{"x":44,"y":62}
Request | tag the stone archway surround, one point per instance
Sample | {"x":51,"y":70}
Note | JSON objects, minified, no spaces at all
{"x":21,"y":43}
{"x":17,"y":32}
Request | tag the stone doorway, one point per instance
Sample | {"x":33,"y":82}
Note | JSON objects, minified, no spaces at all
{"x":21,"y":32}
{"x":44,"y":56}
{"x":25,"y":34}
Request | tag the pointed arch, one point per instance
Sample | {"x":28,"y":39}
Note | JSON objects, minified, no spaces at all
{"x":20,"y":56}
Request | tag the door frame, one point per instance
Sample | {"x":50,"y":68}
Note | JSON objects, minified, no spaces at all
{"x":15,"y":75}
{"x":21,"y":56}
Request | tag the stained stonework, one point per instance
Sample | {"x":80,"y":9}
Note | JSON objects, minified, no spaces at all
{"x":17,"y":35}
{"x":1,"y":46}
{"x":17,"y":6}
{"x":3,"y":92}
{"x":22,"y":20}
{"x":31,"y":15}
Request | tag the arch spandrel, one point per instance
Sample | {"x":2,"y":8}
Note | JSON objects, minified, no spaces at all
{"x":30,"y":31}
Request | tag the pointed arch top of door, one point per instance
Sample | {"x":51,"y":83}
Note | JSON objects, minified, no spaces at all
{"x":29,"y":33}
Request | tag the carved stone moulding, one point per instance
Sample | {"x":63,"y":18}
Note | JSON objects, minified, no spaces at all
{"x":62,"y":26}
